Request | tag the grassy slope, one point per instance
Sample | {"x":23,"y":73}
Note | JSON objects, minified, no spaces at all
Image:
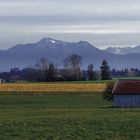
{"x":65,"y":116}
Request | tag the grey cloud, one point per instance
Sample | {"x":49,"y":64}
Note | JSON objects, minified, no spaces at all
{"x":21,"y":20}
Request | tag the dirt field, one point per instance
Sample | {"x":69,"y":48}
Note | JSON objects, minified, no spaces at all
{"x":21,"y":87}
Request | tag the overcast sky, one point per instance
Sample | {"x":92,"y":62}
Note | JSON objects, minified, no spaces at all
{"x":103,"y":23}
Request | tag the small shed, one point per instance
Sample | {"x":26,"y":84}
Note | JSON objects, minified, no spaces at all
{"x":126,"y":93}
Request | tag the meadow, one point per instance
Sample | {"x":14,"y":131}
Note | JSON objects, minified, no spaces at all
{"x":65,"y":116}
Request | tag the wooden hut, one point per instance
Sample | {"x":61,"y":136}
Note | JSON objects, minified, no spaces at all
{"x":126,"y":93}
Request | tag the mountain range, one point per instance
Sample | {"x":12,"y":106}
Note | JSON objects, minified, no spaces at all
{"x":55,"y":51}
{"x":122,"y":51}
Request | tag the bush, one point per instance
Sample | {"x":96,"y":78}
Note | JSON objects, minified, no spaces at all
{"x":107,"y":95}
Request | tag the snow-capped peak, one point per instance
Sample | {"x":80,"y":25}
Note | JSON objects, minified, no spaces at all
{"x":52,"y":41}
{"x":47,"y":40}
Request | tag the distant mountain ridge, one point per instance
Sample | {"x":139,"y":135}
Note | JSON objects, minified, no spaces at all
{"x":122,"y":51}
{"x":55,"y":51}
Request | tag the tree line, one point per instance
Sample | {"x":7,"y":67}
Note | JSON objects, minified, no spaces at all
{"x":43,"y":71}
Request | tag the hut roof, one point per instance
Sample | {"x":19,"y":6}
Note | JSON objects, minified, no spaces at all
{"x":127,"y":87}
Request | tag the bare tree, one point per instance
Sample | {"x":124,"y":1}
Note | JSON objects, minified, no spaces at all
{"x":72,"y":66}
{"x":43,"y":66}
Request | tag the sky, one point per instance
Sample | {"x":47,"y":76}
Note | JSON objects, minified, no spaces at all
{"x":103,"y":23}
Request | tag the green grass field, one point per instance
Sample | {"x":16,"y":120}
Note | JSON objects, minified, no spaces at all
{"x":67,"y":116}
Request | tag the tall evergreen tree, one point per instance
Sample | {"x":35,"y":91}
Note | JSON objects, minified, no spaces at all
{"x":51,"y":73}
{"x":90,"y":72}
{"x":105,"y":71}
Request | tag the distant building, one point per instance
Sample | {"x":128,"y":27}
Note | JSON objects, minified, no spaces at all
{"x":126,"y":93}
